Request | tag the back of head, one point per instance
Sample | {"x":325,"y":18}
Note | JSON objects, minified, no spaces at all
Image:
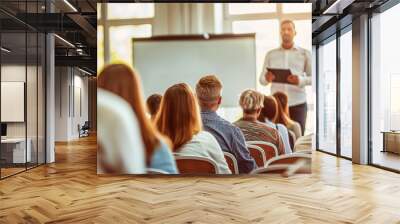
{"x":251,"y":101}
{"x":283,"y":108}
{"x":153,"y":103}
{"x":123,"y":81}
{"x":179,"y":116}
{"x":270,"y":109}
{"x":208,"y":91}
{"x":120,"y":146}
{"x":282,"y":98}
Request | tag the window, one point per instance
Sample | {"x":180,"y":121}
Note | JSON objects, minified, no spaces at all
{"x":123,"y":23}
{"x":296,"y":8}
{"x":385,"y":84}
{"x":246,"y":8}
{"x":267,"y":38}
{"x":100,"y":47}
{"x":130,"y":11}
{"x":327,"y":97}
{"x":98,"y":11}
{"x":304,"y":30}
{"x":346,"y":94}
{"x":121,"y":40}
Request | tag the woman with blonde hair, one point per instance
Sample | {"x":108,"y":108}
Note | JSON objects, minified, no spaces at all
{"x":283,"y":116}
{"x":251,"y":102}
{"x":124,"y":82}
{"x":179,"y":119}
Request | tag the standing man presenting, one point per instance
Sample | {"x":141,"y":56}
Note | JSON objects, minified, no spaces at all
{"x":298,"y":60}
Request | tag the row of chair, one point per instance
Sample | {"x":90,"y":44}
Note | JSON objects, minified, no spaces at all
{"x":264,"y":153}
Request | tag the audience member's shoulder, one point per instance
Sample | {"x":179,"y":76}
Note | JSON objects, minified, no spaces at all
{"x":266,"y":126}
{"x":228,"y":124}
{"x":281,"y":126}
{"x":204,"y":135}
{"x":207,"y":137}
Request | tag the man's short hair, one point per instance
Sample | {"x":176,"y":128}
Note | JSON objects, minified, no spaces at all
{"x":286,"y":21}
{"x":208,"y":89}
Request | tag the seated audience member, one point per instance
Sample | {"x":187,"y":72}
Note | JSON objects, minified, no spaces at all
{"x":283,"y":116}
{"x":268,"y":115}
{"x":123,"y":81}
{"x":251,"y":102}
{"x":179,"y":119}
{"x":229,"y":137}
{"x":153,"y":104}
{"x":116,"y":133}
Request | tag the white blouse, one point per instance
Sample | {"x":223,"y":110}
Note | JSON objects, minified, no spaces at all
{"x":204,"y":144}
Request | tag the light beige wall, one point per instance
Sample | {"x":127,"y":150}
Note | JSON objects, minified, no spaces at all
{"x":34,"y":124}
{"x":70,"y":83}
{"x":15,"y":73}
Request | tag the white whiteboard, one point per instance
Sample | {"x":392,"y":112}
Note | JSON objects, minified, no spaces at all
{"x":162,"y":62}
{"x":12,"y":101}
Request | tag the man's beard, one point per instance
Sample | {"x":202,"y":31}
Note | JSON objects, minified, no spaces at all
{"x":287,"y":39}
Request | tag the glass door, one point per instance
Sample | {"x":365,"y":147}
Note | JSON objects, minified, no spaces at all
{"x":327,"y":96}
{"x":14,"y":153}
{"x":385,"y":90}
{"x":346,"y":93}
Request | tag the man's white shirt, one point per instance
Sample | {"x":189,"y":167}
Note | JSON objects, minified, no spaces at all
{"x":298,"y":60}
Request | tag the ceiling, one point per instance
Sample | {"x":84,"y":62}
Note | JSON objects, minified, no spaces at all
{"x":74,"y":21}
{"x":331,"y":15}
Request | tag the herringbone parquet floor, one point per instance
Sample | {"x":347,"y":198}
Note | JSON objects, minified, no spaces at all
{"x":69,"y":191}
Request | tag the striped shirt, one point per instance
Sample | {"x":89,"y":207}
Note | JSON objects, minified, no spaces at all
{"x":230,"y":138}
{"x":257,"y":131}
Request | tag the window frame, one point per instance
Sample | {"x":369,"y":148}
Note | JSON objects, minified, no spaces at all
{"x":381,"y":9}
{"x":230,"y":18}
{"x":108,"y":23}
{"x":334,"y":37}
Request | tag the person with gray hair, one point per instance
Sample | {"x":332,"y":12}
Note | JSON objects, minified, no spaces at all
{"x":251,"y":103}
{"x":229,"y":137}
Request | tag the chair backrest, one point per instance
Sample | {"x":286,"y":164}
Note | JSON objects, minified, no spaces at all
{"x":232,"y":162}
{"x":86,"y":125}
{"x":289,"y":158}
{"x":270,"y":149}
{"x":195,"y":165}
{"x":282,"y":163}
{"x":279,"y":168}
{"x":155,"y":171}
{"x":292,"y":139}
{"x":258,"y":154}
{"x":304,"y":151}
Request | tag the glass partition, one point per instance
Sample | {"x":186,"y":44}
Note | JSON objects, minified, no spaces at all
{"x":385,"y":90}
{"x":346,"y":94}
{"x":22,"y":76}
{"x":14,"y":153}
{"x":327,"y":97}
{"x":31,"y":98}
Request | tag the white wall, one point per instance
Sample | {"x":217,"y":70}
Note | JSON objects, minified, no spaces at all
{"x":70,"y":84}
{"x":12,"y":73}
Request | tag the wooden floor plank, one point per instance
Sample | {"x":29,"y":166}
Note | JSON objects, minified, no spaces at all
{"x":69,"y":191}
